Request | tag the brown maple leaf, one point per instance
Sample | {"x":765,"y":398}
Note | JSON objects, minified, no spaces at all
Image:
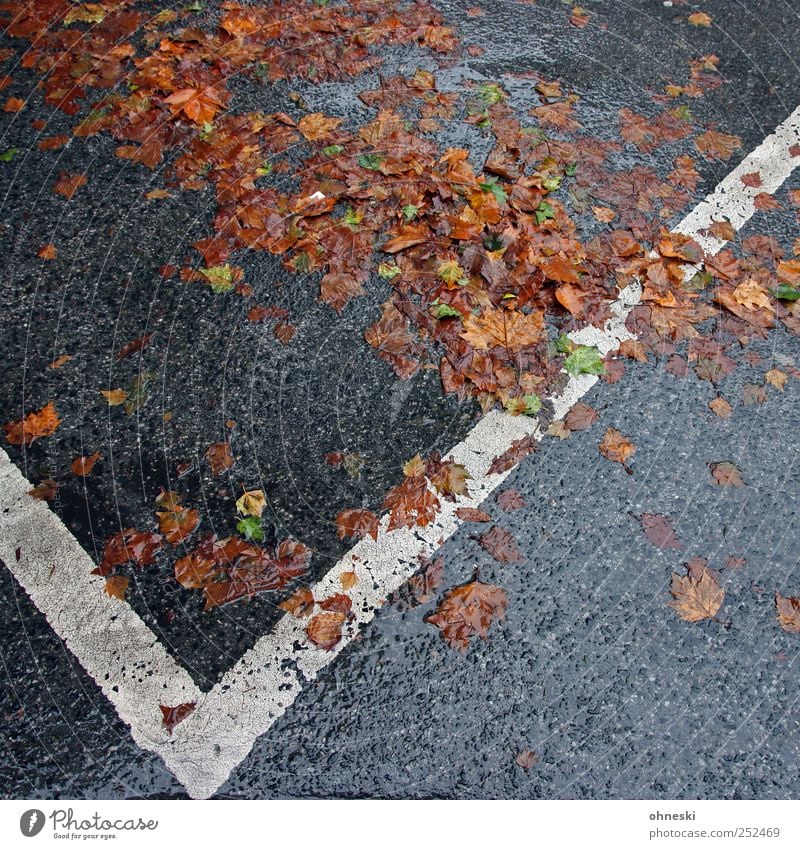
{"x":468,"y":611}
{"x":299,"y":604}
{"x":508,"y":329}
{"x":581,"y":417}
{"x":68,"y":184}
{"x":696,"y":599}
{"x":716,"y":145}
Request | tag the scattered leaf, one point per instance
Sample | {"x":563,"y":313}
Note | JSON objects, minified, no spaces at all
{"x":468,"y":611}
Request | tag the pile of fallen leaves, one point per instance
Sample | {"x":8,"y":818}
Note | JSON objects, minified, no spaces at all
{"x":485,"y":266}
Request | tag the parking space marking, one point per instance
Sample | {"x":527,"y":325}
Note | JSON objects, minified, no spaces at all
{"x":132,"y":667}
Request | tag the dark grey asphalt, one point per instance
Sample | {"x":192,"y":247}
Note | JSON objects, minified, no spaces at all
{"x":589,"y":668}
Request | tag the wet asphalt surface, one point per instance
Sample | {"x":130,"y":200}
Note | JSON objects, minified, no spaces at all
{"x":589,"y":668}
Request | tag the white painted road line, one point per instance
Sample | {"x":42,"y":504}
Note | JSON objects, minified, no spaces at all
{"x":132,"y":668}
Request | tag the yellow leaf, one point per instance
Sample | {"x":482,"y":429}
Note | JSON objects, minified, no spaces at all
{"x":251,"y":503}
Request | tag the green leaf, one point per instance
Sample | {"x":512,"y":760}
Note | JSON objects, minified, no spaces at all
{"x":371,"y":161}
{"x":491,"y":185}
{"x":410,"y":211}
{"x":250,"y":528}
{"x":571,"y":169}
{"x":264,"y":170}
{"x":197,"y":6}
{"x":584,"y":360}
{"x":138,"y":393}
{"x":445,"y":311}
{"x":9,"y":154}
{"x":388,"y":270}
{"x":352,"y":218}
{"x":785,"y":292}
{"x":552,"y":183}
{"x":544,"y":211}
{"x":564,"y":344}
{"x":533,"y":403}
{"x":332,"y":149}
{"x":491,"y":93}
{"x":220,"y":277}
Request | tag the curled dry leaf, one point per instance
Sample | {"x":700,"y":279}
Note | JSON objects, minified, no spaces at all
{"x":788,"y":611}
{"x":468,"y":611}
{"x":114,"y":397}
{"x":34,"y":426}
{"x":696,"y":599}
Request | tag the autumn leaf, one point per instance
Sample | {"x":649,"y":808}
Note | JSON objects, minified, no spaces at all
{"x":68,"y":184}
{"x":510,"y":499}
{"x":82,"y":466}
{"x":498,"y":327}
{"x":134,"y":346}
{"x":720,"y":407}
{"x":473,"y":514}
{"x":501,"y":544}
{"x":251,"y":503}
{"x":171,"y":716}
{"x":616,"y":447}
{"x":129,"y":545}
{"x":34,"y":426}
{"x":220,"y":457}
{"x":788,"y":611}
{"x":59,"y":361}
{"x":526,"y":759}
{"x":519,"y":449}
{"x":696,"y":599}
{"x":114,"y":397}
{"x":317,"y":126}
{"x":726,"y":473}
{"x":44,"y":491}
{"x":700,"y":19}
{"x":658,"y":530}
{"x":299,"y":604}
{"x":411,"y":502}
{"x":198,"y":105}
{"x":777,"y":378}
{"x":581,"y":417}
{"x":48,"y":252}
{"x":716,"y":145}
{"x":325,"y":629}
{"x":468,"y":611}
{"x":117,"y":586}
{"x":357,"y":523}
{"x":175,"y":521}
{"x":422,"y":587}
{"x":348,"y":580}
